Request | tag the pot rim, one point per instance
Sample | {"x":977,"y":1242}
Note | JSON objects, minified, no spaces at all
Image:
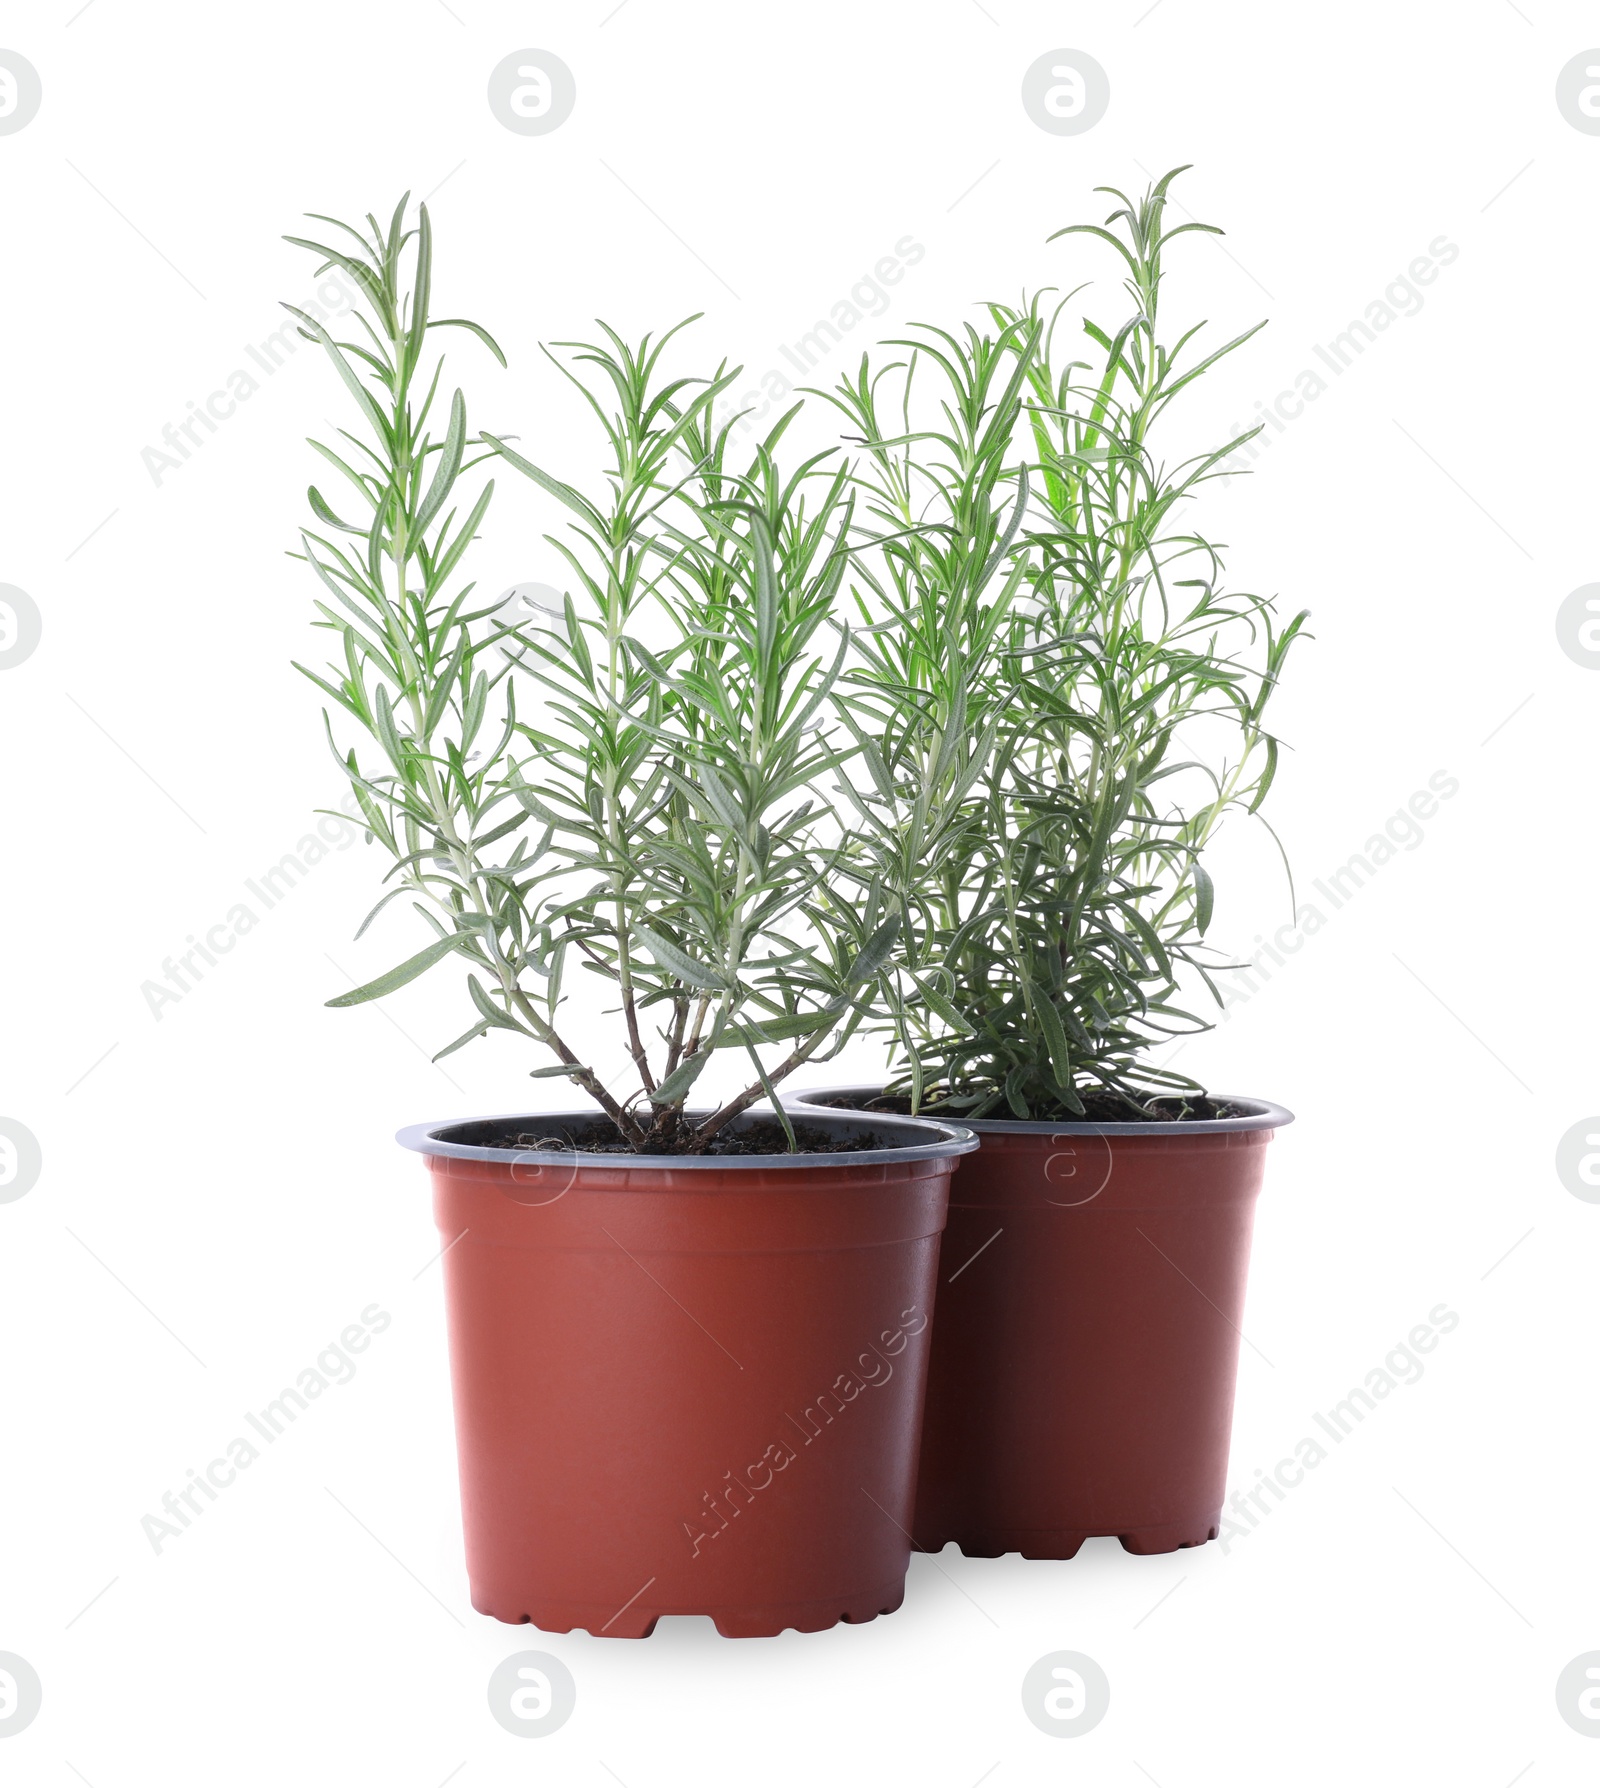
{"x":1261,"y":1114}
{"x":945,"y":1141}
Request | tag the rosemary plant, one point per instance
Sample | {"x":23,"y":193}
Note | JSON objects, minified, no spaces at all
{"x":628,"y":790}
{"x":921,"y":699}
{"x":1048,"y":953}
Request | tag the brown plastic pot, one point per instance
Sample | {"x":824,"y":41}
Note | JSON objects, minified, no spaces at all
{"x":689,"y":1385}
{"x":1090,"y":1307}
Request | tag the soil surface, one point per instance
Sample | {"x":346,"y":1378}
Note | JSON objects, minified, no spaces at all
{"x":1098,"y":1108}
{"x":601,"y":1137}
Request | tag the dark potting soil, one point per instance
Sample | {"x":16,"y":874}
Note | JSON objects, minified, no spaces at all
{"x":1098,"y":1108}
{"x":601,"y":1137}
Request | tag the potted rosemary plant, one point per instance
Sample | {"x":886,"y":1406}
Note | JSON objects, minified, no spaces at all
{"x":1056,"y":703}
{"x":689,"y":1338}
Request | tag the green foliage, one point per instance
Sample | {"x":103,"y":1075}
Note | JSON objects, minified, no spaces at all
{"x":965,"y":814}
{"x":646,"y":810}
{"x":1017,"y":695}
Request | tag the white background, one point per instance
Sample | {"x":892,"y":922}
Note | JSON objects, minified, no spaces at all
{"x":219,"y":1185}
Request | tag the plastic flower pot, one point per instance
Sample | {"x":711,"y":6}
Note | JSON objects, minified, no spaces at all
{"x":689,"y":1385}
{"x":1091,"y":1301}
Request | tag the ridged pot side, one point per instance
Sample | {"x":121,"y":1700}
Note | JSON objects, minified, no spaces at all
{"x":691,"y":1387}
{"x":1084,"y":1362}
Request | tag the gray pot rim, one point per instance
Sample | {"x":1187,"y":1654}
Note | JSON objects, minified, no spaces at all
{"x":1261,"y":1114}
{"x":945,"y":1140}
